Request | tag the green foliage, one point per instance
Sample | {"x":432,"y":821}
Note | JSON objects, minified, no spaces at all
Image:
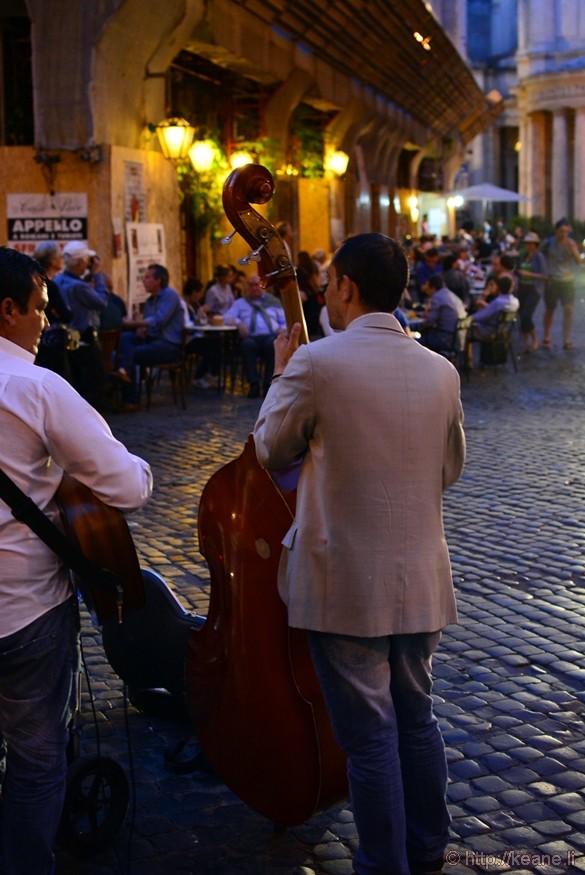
{"x":264,"y":150}
{"x":542,"y":226}
{"x":203,"y":191}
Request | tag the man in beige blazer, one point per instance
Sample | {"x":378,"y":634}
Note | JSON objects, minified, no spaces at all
{"x":365,"y":568}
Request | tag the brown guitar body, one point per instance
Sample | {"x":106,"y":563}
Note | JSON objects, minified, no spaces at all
{"x":103,"y":536}
{"x":253,"y":695}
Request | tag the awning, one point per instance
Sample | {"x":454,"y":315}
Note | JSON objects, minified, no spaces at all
{"x":395,"y":47}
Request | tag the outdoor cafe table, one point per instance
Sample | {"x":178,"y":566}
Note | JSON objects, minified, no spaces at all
{"x":227,"y":336}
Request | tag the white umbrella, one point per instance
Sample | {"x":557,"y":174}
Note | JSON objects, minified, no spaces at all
{"x":485,"y":191}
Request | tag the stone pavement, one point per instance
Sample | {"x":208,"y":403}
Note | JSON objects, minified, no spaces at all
{"x":510,"y":677}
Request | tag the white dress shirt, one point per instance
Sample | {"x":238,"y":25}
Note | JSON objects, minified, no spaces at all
{"x":47,"y":428}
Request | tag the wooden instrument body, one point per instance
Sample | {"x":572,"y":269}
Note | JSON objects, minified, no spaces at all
{"x":252,"y":691}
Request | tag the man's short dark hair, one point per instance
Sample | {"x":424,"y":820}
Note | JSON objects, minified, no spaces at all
{"x":505,"y":285}
{"x":18,"y":273}
{"x":377,"y":265}
{"x":161,"y":274}
{"x":436,"y":281}
{"x":562,"y":223}
{"x":507,"y":261}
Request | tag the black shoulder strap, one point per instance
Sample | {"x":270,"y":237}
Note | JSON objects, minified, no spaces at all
{"x":26,"y":511}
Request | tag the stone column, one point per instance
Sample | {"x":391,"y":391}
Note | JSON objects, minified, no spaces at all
{"x":536,"y":168}
{"x":560,"y":165}
{"x":525,"y":156}
{"x":579,"y":164}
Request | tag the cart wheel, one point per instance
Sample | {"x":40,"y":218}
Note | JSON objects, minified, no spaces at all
{"x":95,"y":806}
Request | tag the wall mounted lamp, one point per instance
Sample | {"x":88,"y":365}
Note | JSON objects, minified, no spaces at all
{"x":202,"y":155}
{"x":175,"y":136}
{"x":337,"y":162}
{"x":240,"y":159}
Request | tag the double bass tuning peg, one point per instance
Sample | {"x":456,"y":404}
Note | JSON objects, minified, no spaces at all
{"x":251,"y":256}
{"x":225,"y":241}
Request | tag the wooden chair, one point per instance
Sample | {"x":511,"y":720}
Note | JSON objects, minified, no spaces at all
{"x":177,"y":371}
{"x":109,"y":340}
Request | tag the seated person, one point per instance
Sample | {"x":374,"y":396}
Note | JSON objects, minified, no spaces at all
{"x":52,"y":352}
{"x":156,"y":338}
{"x":86,"y":305}
{"x":489,"y":294}
{"x":259,"y":320}
{"x":441,"y":318}
{"x":486,"y":319}
{"x":428,"y":267}
{"x":219,"y":296}
{"x":455,"y":280}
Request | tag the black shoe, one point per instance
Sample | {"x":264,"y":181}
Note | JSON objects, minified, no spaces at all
{"x":254,"y":391}
{"x":428,"y":867}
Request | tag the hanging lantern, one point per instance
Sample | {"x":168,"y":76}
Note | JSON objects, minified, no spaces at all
{"x":175,"y":136}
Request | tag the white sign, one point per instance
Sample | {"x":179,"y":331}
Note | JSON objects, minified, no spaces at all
{"x":146,"y":245}
{"x":33,"y":218}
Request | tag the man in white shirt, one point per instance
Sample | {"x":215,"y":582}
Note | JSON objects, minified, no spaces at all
{"x":46,"y":428}
{"x":259,"y":320}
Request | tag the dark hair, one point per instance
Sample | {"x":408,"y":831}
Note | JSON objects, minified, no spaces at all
{"x":18,"y":273}
{"x":562,"y":223}
{"x":161,"y":274}
{"x":448,"y":261}
{"x":436,"y":281}
{"x":507,"y":261}
{"x":192,"y":285}
{"x":505,"y":284}
{"x":377,"y":265}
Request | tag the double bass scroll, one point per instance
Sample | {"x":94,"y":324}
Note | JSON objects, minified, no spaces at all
{"x":254,"y":184}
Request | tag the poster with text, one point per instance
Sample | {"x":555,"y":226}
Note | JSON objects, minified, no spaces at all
{"x":146,"y":245}
{"x":134,"y":192}
{"x":33,"y":218}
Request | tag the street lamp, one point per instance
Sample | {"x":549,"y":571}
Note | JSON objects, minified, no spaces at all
{"x":337,"y":162}
{"x":175,"y":136}
{"x":202,"y":155}
{"x":240,"y":159}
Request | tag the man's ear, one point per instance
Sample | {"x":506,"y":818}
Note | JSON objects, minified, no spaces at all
{"x":348,"y":289}
{"x":7,"y":311}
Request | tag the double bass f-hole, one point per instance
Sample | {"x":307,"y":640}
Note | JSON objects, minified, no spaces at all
{"x":253,"y":184}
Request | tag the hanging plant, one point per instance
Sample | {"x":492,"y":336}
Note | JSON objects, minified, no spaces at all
{"x":203,"y":191}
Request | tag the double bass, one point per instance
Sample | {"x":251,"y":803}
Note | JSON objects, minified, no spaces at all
{"x":253,"y":695}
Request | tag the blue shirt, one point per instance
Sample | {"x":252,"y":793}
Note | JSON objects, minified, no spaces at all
{"x":163,"y":314}
{"x":82,"y":299}
{"x":259,"y":315}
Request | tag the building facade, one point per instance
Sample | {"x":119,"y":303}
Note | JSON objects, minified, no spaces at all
{"x":533,"y":52}
{"x":381,"y":82}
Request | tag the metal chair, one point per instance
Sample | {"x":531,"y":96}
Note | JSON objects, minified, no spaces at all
{"x":455,"y":344}
{"x":495,"y":350}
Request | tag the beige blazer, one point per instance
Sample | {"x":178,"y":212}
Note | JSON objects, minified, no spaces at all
{"x":378,"y":421}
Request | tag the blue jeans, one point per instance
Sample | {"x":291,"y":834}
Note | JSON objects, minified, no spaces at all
{"x":137,"y":351}
{"x":378,"y":694}
{"x":38,"y":688}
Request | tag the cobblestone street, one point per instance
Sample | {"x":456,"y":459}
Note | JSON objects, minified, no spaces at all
{"x":509,"y":678}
